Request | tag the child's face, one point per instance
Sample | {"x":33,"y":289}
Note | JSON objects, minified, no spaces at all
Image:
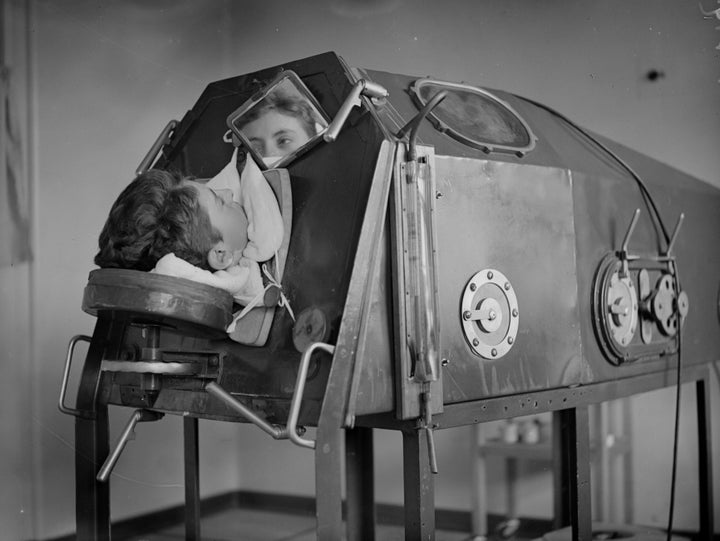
{"x":227,"y":216}
{"x":275,"y":134}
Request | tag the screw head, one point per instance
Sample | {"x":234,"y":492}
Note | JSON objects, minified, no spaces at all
{"x":510,"y":340}
{"x":467,"y":314}
{"x":493,"y":352}
{"x":515,"y":312}
{"x":476,"y":342}
{"x":507,"y":286}
{"x":473,"y":286}
{"x":490,"y":275}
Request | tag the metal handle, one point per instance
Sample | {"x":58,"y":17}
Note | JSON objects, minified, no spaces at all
{"x":298,"y":394}
{"x":66,"y":375}
{"x":366,"y":88}
{"x":161,"y":141}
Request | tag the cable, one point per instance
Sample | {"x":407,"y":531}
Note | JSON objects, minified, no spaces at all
{"x":647,"y":197}
{"x":673,"y":475}
{"x":657,"y":222}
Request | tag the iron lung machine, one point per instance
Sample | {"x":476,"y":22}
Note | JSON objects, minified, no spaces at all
{"x":453,"y":254}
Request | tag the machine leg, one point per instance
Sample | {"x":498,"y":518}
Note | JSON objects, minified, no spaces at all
{"x":704,"y":459}
{"x":92,"y":439}
{"x":92,"y":498}
{"x":571,"y":432}
{"x":360,"y":470}
{"x":328,"y":483}
{"x":419,"y":487}
{"x":192,"y":479}
{"x":478,"y":493}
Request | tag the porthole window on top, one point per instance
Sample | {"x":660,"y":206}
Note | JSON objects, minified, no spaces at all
{"x":475,"y":117}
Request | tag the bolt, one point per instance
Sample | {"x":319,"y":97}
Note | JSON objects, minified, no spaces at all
{"x":491,"y":315}
{"x":476,"y":342}
{"x":438,"y":195}
{"x":493,"y":352}
{"x":444,"y":362}
{"x":489,"y":275}
{"x":510,"y":340}
{"x":473,"y":287}
{"x":467,"y":314}
{"x":507,"y":286}
{"x":515,"y":312}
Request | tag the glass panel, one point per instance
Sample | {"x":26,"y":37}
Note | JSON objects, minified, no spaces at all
{"x":475,"y":117}
{"x":281,"y":122}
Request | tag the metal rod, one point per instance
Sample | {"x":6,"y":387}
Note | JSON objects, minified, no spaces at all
{"x":630,"y":230}
{"x":352,"y":100}
{"x":675,"y":233}
{"x":156,"y":147}
{"x":127,"y":434}
{"x":218,"y":392}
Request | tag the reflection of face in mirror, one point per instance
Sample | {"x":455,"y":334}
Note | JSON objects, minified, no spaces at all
{"x":278,"y":125}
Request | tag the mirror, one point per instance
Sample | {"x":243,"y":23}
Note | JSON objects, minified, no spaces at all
{"x":281,"y":122}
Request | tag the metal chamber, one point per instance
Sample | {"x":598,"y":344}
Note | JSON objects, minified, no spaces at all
{"x":551,"y":220}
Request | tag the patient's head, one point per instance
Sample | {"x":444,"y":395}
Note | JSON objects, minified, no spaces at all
{"x":127,"y":236}
{"x":279,"y":124}
{"x":202,"y":226}
{"x":160,"y":213}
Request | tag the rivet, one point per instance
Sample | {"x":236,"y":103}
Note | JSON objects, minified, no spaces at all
{"x":515,"y":312}
{"x":476,"y":342}
{"x":493,"y":352}
{"x":473,"y":287}
{"x":507,"y":286}
{"x":467,"y":314}
{"x":489,"y":275}
{"x":510,"y":340}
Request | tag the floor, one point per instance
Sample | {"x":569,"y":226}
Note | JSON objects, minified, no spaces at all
{"x":255,"y":525}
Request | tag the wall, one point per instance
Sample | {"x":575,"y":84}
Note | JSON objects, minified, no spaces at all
{"x":111,"y":74}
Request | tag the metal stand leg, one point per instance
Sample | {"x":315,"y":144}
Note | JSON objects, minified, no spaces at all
{"x":360,"y":469}
{"x":92,"y":498}
{"x":92,"y":446}
{"x":328,"y":486}
{"x":704,"y":458}
{"x":478,"y":492}
{"x":419,"y":488}
{"x":192,"y":479}
{"x":571,"y":433}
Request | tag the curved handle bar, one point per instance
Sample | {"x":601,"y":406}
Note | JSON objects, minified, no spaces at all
{"x":66,"y":375}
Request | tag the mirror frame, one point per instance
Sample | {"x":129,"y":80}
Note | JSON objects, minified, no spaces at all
{"x":257,"y":98}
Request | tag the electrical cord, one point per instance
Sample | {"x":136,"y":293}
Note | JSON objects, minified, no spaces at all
{"x":676,"y":435}
{"x":647,"y":197}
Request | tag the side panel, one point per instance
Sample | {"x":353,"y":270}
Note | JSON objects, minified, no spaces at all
{"x":604,"y":209}
{"x":517,"y":220}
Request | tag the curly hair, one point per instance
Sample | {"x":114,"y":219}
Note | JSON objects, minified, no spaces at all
{"x":126,"y":238}
{"x":184,"y":228}
{"x":156,"y":214}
